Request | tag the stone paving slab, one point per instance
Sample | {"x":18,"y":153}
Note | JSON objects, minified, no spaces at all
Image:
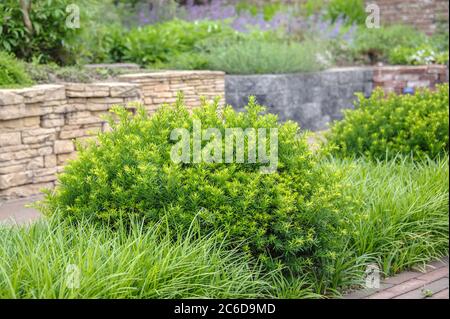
{"x":17,"y":212}
{"x":422,"y":292}
{"x":441,"y":295}
{"x":430,"y":283}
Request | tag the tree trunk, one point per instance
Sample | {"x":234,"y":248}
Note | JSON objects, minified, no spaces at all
{"x":25,"y":6}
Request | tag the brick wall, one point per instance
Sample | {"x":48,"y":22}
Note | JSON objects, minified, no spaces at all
{"x":424,"y":14}
{"x":38,"y":125}
{"x":397,"y":78}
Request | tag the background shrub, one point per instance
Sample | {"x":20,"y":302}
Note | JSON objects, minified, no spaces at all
{"x":352,"y":11}
{"x":424,"y":54}
{"x":285,"y":218}
{"x":161,"y":43}
{"x":12,"y":71}
{"x":374,"y":45}
{"x":259,"y":56}
{"x":49,"y":38}
{"x":407,"y":124}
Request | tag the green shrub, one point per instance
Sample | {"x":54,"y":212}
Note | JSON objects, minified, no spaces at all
{"x":161,"y":43}
{"x":259,"y":56}
{"x":286,"y":218}
{"x":311,"y":7}
{"x":374,"y":45}
{"x":424,"y":54}
{"x":12,"y":71}
{"x":352,"y":11}
{"x":49,"y":39}
{"x":267,"y":10}
{"x":101,"y":44}
{"x":384,"y":126}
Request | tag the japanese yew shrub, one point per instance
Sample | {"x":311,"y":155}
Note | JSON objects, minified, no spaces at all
{"x":383,"y":126}
{"x":287,"y":218}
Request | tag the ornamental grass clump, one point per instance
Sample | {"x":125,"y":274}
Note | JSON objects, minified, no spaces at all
{"x":286,"y":218}
{"x":384,"y":126}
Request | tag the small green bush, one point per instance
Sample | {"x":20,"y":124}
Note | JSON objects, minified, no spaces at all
{"x":49,"y":38}
{"x":352,"y":11}
{"x":12,"y":71}
{"x":260,"y":56}
{"x":424,"y":54}
{"x":287,"y":218}
{"x":267,"y":10}
{"x":161,"y":43}
{"x":384,"y":126}
{"x":375,"y":45}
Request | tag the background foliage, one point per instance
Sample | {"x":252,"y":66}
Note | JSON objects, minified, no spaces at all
{"x":12,"y":71}
{"x":385,"y":126}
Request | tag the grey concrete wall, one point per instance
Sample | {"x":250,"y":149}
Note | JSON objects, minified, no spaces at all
{"x":311,"y":99}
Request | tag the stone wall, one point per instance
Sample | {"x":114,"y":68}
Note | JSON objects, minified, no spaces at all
{"x":163,"y":87}
{"x":397,"y":78}
{"x":423,"y":14}
{"x":311,"y":99}
{"x":39,"y":125}
{"x":316,"y":99}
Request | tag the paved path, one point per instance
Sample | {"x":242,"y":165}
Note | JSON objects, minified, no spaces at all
{"x":431,"y":284}
{"x":16,"y":211}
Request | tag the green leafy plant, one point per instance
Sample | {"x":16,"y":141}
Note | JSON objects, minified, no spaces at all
{"x":384,"y":126}
{"x":286,"y":219}
{"x":352,"y":11}
{"x":161,"y":43}
{"x":375,"y":45}
{"x":36,"y":30}
{"x":311,"y":7}
{"x":424,"y":54}
{"x":12,"y":72}
{"x":267,"y":10}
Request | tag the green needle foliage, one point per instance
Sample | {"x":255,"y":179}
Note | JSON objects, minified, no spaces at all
{"x":383,"y":126}
{"x":287,"y":218}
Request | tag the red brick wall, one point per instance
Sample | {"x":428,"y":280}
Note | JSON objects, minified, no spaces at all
{"x":424,"y":14}
{"x":396,"y":78}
